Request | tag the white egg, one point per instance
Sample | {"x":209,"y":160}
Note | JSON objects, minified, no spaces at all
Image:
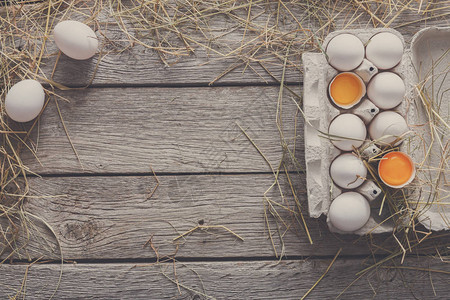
{"x":384,"y":50}
{"x":75,"y":39}
{"x":387,"y":123}
{"x":347,"y":131}
{"x":349,"y":211}
{"x":386,"y":90}
{"x":345,"y":52}
{"x":348,"y":171}
{"x":25,"y":100}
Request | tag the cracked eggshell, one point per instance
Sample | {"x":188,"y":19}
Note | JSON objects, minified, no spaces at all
{"x":345,"y":52}
{"x":343,"y":83}
{"x":390,"y":125}
{"x":348,"y":171}
{"x":349,"y":211}
{"x":75,"y":39}
{"x":384,"y":50}
{"x":395,"y":165}
{"x":25,"y":100}
{"x":347,"y":131}
{"x":386,"y":90}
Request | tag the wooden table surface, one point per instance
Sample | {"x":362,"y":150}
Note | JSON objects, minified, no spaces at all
{"x":139,"y":115}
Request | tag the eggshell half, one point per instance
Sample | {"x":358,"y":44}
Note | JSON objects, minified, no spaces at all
{"x":362,"y":86}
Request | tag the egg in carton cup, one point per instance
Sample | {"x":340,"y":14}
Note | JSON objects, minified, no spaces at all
{"x":328,"y":156}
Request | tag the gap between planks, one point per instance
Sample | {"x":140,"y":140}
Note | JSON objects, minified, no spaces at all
{"x":218,"y":259}
{"x":230,"y":280}
{"x":158,"y":174}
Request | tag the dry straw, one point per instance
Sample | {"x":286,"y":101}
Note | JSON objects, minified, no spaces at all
{"x":261,"y":39}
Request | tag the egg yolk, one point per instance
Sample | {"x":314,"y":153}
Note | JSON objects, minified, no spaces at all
{"x":395,"y":168}
{"x":345,"y":89}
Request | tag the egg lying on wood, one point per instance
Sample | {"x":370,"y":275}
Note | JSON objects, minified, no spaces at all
{"x":345,"y":52}
{"x":349,"y":211}
{"x":347,"y":131}
{"x":348,"y":171}
{"x":25,"y":100}
{"x":384,"y":50}
{"x":388,"y":127}
{"x":386,"y":90}
{"x":75,"y":39}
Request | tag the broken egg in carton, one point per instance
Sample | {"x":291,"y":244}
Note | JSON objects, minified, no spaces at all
{"x":398,"y":106}
{"x":339,"y":108}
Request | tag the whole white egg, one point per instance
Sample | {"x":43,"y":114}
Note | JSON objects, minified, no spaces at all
{"x":345,"y":52}
{"x":348,"y":171}
{"x":387,"y":123}
{"x":386,"y":90}
{"x":25,"y":100}
{"x":349,"y":211}
{"x":347,"y":131}
{"x":75,"y":39}
{"x":384,"y":50}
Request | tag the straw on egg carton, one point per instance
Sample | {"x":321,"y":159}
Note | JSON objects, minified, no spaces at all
{"x":427,"y":46}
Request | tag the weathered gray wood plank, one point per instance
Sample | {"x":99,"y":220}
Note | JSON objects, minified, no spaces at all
{"x":229,"y":280}
{"x":138,"y":65}
{"x":172,"y":129}
{"x":143,"y":66}
{"x":111,"y":217}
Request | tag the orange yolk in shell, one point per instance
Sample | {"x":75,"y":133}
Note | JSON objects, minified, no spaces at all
{"x":345,"y":89}
{"x":395,"y":168}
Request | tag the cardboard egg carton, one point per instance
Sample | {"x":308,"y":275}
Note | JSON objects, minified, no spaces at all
{"x":427,"y":46}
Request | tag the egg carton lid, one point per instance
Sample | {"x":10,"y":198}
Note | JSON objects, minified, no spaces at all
{"x":428,"y":46}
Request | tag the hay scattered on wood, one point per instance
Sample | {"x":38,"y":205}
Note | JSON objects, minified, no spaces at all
{"x":261,"y":37}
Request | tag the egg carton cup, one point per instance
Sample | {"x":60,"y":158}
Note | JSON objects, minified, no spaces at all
{"x":427,"y":46}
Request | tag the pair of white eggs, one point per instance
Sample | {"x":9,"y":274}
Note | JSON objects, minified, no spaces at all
{"x":348,"y":132}
{"x":346,"y":52}
{"x":349,"y":211}
{"x":26,"y":98}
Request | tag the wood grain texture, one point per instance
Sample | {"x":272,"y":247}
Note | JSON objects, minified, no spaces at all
{"x":121,"y":64}
{"x":143,"y":66}
{"x":229,"y":280}
{"x":175,"y":130}
{"x":111,"y":218}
